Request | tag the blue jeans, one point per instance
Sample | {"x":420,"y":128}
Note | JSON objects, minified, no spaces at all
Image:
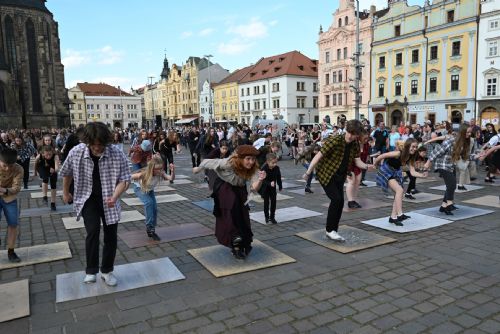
{"x":150,"y":206}
{"x":135,"y":167}
{"x":310,"y":178}
{"x":10,"y":211}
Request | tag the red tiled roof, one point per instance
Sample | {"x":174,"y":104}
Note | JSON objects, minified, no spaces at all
{"x":100,"y":89}
{"x":290,"y":63}
{"x":236,"y":76}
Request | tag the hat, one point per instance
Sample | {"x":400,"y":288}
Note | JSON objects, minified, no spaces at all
{"x":246,"y":150}
{"x":146,"y":145}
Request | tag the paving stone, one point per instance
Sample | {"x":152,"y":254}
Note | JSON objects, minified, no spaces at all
{"x":128,"y":317}
{"x":466,"y":321}
{"x":446,"y":327}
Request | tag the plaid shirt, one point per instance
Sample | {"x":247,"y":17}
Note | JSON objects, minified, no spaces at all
{"x":333,"y":153}
{"x":113,"y":169}
{"x":24,"y":152}
{"x":441,"y":155}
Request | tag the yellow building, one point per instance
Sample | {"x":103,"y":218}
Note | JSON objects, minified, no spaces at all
{"x":226,"y":100}
{"x":423,"y":62}
{"x":77,"y":108}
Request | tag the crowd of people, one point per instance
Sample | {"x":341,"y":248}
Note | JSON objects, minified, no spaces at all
{"x":236,"y":159}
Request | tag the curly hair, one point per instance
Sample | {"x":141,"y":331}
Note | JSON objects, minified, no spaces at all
{"x":239,"y":168}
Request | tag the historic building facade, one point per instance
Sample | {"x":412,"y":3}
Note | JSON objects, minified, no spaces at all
{"x":336,"y":72}
{"x":424,"y":62}
{"x":32,"y":90}
{"x":284,"y":87}
{"x":77,"y":107}
{"x":488,"y":66}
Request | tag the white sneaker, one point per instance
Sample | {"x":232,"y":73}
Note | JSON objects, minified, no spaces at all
{"x":335,"y":236}
{"x":109,"y":279}
{"x":89,"y":279}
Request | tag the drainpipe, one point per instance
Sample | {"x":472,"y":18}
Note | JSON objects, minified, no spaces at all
{"x":426,"y":61}
{"x":477,"y":62}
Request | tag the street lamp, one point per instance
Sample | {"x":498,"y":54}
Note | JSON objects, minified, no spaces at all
{"x":210,"y":102}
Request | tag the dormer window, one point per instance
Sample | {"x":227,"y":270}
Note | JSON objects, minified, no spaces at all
{"x":271,"y":61}
{"x":276,"y":69}
{"x":451,"y":16}
{"x":397,"y":30}
{"x":281,"y":59}
{"x":301,"y":67}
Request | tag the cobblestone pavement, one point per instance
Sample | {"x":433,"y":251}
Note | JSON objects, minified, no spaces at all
{"x":441,"y":280}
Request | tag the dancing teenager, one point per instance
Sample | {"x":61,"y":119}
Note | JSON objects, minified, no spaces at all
{"x":445,"y":157}
{"x":11,"y":178}
{"x":24,"y":153}
{"x":390,"y":175}
{"x":332,"y":163}
{"x":232,"y":217}
{"x":101,"y":174}
{"x":167,"y":144}
{"x":146,"y":180}
{"x":47,"y":165}
{"x":305,"y":158}
{"x":354,"y":179}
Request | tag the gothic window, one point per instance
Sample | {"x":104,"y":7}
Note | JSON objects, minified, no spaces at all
{"x":3,"y":106}
{"x":33,"y":67}
{"x":11,"y":44}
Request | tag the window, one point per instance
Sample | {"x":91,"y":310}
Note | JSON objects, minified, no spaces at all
{"x":79,"y":106}
{"x":334,"y":99}
{"x":248,"y":106}
{"x":381,"y":62}
{"x":345,"y":53}
{"x":248,"y":91}
{"x":340,"y":76}
{"x":264,"y":104}
{"x":106,"y":106}
{"x":263,"y":89}
{"x":3,"y":104}
{"x":399,"y":59}
{"x":434,"y":52}
{"x":327,"y":100}
{"x":360,"y":46}
{"x":34,"y":78}
{"x":327,"y":78}
{"x":455,"y":49}
{"x":339,"y":99}
{"x":315,"y":102}
{"x":381,"y":90}
{"x":276,"y":87}
{"x":491,"y":87}
{"x":340,"y":22}
{"x":397,"y":90}
{"x":454,"y":82}
{"x":242,"y":106}
{"x":397,"y":30}
{"x":334,"y":77}
{"x":432,"y":85}
{"x":493,"y":48}
{"x":451,"y":16}
{"x":256,"y":105}
{"x":301,"y":86}
{"x":276,"y":103}
{"x":493,"y":24}
{"x":360,"y":74}
{"x":301,"y":102}
{"x":327,"y":57}
{"x":315,"y":86}
{"x":426,"y":21}
{"x":346,"y":21}
{"x":339,"y":54}
{"x":414,"y":87}
{"x":255,"y":90}
{"x":243,"y":92}
{"x":414,"y":56}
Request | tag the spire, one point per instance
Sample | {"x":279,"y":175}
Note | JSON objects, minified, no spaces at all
{"x":166,"y":70}
{"x":320,"y":28}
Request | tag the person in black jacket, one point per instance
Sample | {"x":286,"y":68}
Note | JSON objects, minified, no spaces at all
{"x":269,"y":185}
{"x":194,"y":138}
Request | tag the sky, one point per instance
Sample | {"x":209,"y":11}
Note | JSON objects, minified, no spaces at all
{"x":123,"y":42}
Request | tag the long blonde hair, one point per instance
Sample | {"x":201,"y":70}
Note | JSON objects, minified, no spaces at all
{"x":147,"y":175}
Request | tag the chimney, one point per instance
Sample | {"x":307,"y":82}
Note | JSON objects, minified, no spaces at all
{"x":373,"y":9}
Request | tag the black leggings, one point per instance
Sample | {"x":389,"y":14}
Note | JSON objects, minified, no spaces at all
{"x":335,"y":192}
{"x":269,"y":196}
{"x":46,"y":176}
{"x":450,"y":180}
{"x":26,"y":169}
{"x":168,"y":159}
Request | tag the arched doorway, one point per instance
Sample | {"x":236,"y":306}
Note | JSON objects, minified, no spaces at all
{"x":490,"y":115}
{"x":118,"y":125}
{"x":378,"y":118}
{"x":396,"y":117}
{"x":456,"y":117}
{"x":327,"y":119}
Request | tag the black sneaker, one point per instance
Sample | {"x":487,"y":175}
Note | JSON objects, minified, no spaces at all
{"x":462,"y":188}
{"x":362,"y":184}
{"x":415,"y":191}
{"x":395,"y":221}
{"x":308,"y":190}
{"x":238,"y":253}
{"x":409,"y":196}
{"x":452,"y":207}
{"x":267,"y":220}
{"x":53,"y":207}
{"x":403,"y":217}
{"x":13,"y":257}
{"x":155,"y":236}
{"x":171,"y":181}
{"x":446,"y":210}
{"x":273,"y":221}
{"x":45,"y":199}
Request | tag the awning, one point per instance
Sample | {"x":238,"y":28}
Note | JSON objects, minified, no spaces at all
{"x":186,"y":120}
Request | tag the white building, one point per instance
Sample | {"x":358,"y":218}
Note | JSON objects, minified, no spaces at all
{"x":280,"y":87}
{"x":112,"y":106}
{"x":488,"y":67}
{"x":206,"y":100}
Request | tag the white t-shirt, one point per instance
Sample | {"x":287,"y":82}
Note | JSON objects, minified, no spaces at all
{"x":259,"y":143}
{"x":494,"y":141}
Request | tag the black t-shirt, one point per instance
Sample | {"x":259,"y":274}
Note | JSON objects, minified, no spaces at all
{"x":380,"y":138}
{"x":96,"y":180}
{"x":342,"y":170}
{"x":394,"y":163}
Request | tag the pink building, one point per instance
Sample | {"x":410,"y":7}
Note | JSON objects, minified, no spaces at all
{"x":337,"y":46}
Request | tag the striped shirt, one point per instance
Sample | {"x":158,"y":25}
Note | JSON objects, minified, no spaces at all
{"x":113,"y":169}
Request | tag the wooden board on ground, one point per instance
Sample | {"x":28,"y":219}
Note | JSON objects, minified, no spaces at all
{"x":220,"y":262}
{"x":207,"y":204}
{"x":139,"y":238}
{"x":279,"y":197}
{"x":355,"y":239}
{"x":287,"y":185}
{"x":285,"y":215}
{"x":70,"y":223}
{"x":463,"y":212}
{"x":423,"y":197}
{"x":468,"y":187}
{"x":37,"y":254}
{"x":366,"y":203}
{"x":40,"y":194}
{"x":130,"y":276}
{"x":417,"y":222}
{"x":159,"y":199}
{"x":14,"y":300}
{"x":492,"y":201}
{"x":45,"y":210}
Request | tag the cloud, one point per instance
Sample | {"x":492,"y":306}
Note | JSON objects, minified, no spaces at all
{"x":124,"y":82}
{"x":252,"y":30}
{"x":108,"y":56}
{"x":206,"y":32}
{"x":73,"y":58}
{"x":273,"y":23}
{"x":234,"y":47}
{"x":186,"y":34}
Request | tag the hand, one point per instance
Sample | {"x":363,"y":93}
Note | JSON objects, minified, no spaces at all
{"x":172,"y":167}
{"x":371,"y":168}
{"x":426,"y":173}
{"x":273,"y":184}
{"x":111,"y":202}
{"x":196,"y":170}
{"x":305,"y":176}
{"x":67,"y":198}
{"x":262,"y":175}
{"x":194,"y":155}
{"x":52,"y":171}
{"x":427,"y":165}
